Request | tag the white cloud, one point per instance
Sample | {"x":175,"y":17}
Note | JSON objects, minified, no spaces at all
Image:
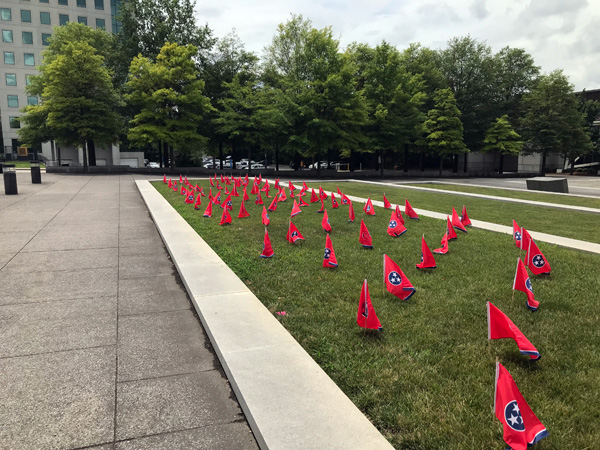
{"x":557,"y":33}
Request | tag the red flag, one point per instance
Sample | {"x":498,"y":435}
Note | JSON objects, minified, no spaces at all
{"x":304,"y":186}
{"x":267,"y":249}
{"x":225,"y":217}
{"x":338,"y":191}
{"x":444,"y":248}
{"x":501,"y":327}
{"x":520,"y":425}
{"x":535,"y":259}
{"x":464,"y":217}
{"x":175,"y":187}
{"x":451,"y":233}
{"x":183,"y":190}
{"x":259,"y":200}
{"x":366,"y":316}
{"x":295,"y":209}
{"x":243,"y":212}
{"x":211,"y":181}
{"x":345,"y":200}
{"x":293,"y":234}
{"x":334,"y":203}
{"x":254,"y":190}
{"x":322,"y":194}
{"x":523,"y":283}
{"x":517,"y":234}
{"x":266,"y":187}
{"x":282,"y":196}
{"x":189,"y":198}
{"x":265,"y":217}
{"x":291,"y":186}
{"x":329,"y":259}
{"x":277,"y":184}
{"x":302,"y":202}
{"x":165,"y":178}
{"x":234,"y":191}
{"x":217,"y":198}
{"x":456,"y":222}
{"x":273,"y":205}
{"x":386,"y":203}
{"x":325,"y":222}
{"x":368,"y":208}
{"x":395,"y":280}
{"x":409,"y":211}
{"x":227,"y":203}
{"x":322,"y":209}
{"x":427,"y":259}
{"x":208,"y":210}
{"x":399,"y":215}
{"x":222,"y":179}
{"x":202,"y":192}
{"x":313,"y":196}
{"x":170,"y":184}
{"x":245,"y":197}
{"x":180,"y":179}
{"x":198,"y":202}
{"x":395,"y":228}
{"x":525,"y":239}
{"x":351,"y":213}
{"x":226,"y":191}
{"x":365,"y":236}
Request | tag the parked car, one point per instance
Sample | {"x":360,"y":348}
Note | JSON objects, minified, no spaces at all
{"x":257,"y":165}
{"x":210,"y":165}
{"x":153,"y":165}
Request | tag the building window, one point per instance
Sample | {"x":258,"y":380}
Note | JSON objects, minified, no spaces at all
{"x":99,"y":4}
{"x":63,"y":2}
{"x":14,"y":122}
{"x":13,"y":101}
{"x":45,"y":37}
{"x":7,"y":36}
{"x":100,"y":23}
{"x":27,"y":37}
{"x":32,"y":100}
{"x":11,"y":79}
{"x":45,"y":18}
{"x":28,"y":80}
{"x":63,"y":19}
{"x":82,"y":20}
{"x":6,"y":13}
{"x":9,"y":58}
{"x":25,"y":16}
{"x":44,"y":1}
{"x":81,"y":3}
{"x":29,"y":59}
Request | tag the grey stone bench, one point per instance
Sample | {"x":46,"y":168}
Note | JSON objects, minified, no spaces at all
{"x":548,"y":184}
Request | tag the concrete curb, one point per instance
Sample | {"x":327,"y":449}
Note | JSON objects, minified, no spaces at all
{"x":289,"y":401}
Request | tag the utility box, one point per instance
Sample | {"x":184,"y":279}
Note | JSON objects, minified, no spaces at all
{"x":10,"y":179}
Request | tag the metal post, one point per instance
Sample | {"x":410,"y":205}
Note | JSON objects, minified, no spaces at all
{"x":10,"y":179}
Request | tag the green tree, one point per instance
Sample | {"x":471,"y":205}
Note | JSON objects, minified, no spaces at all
{"x":552,"y":121}
{"x":501,"y":139}
{"x":78,"y":99}
{"x":169,"y":95}
{"x":443,"y":127}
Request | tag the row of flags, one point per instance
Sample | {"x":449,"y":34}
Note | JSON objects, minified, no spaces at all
{"x":521,"y":426}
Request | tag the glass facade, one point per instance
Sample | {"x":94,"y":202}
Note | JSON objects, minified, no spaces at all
{"x":45,"y":37}
{"x":6,"y":13}
{"x":11,"y":79}
{"x":9,"y":57}
{"x":25,"y":16}
{"x":99,"y":4}
{"x":29,"y":59}
{"x":45,"y":18}
{"x":13,"y":101}
{"x":27,"y":37}
{"x":63,"y":19}
{"x":7,"y":36}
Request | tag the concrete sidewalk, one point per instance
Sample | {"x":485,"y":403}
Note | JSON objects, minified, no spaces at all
{"x":99,"y":345}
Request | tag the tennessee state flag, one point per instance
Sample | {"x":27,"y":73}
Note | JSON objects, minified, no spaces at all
{"x":427,"y":259}
{"x":227,"y":203}
{"x":464,"y":217}
{"x":520,"y":425}
{"x":451,"y":233}
{"x":325,"y":222}
{"x":366,"y":316}
{"x":322,"y":208}
{"x":211,"y":181}
{"x":282,"y":196}
{"x":409,"y":211}
{"x":175,"y":187}
{"x":225,"y":217}
{"x":313,"y":196}
{"x":259,"y":200}
{"x":322,"y":194}
{"x":277,"y":184}
{"x":291,"y":186}
{"x":183,"y":189}
{"x":189,"y":197}
{"x":245,"y":197}
{"x":329,"y":259}
{"x":273,"y":205}
{"x":523,"y":283}
{"x":338,"y":191}
{"x":243,"y":212}
{"x":444,"y":248}
{"x":170,"y":184}
{"x":198,"y":201}
{"x":501,"y":327}
{"x":254,"y":190}
{"x":525,"y":239}
{"x":267,"y":248}
{"x":208,"y":210}
{"x":517,"y":234}
{"x":266,"y":187}
{"x":302,"y":202}
{"x":295,"y":209}
{"x":165,"y":178}
{"x":535,"y":259}
{"x":202,"y":192}
{"x":395,"y":280}
{"x":334,"y":203}
{"x":395,"y":228}
{"x":386,"y":203}
{"x":345,"y":199}
{"x":217,"y":198}
{"x":365,"y":236}
{"x":368,"y":208}
{"x":293,"y":234}
{"x":350,"y":213}
{"x":234,"y":191}
{"x":265,"y":217}
{"x":180,"y":179}
{"x":399,"y":215}
{"x":456,"y":222}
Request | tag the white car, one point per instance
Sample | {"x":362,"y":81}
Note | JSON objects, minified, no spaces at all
{"x":154,"y":165}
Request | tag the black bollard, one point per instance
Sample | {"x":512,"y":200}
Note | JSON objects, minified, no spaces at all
{"x":36,"y":176}
{"x":10,"y":179}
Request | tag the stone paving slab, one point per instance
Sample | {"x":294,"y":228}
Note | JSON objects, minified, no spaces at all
{"x":63,"y":260}
{"x":151,"y":294}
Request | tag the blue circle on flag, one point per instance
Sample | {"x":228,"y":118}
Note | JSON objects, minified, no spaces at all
{"x":517,"y":235}
{"x":528,"y":285}
{"x":512,"y":416}
{"x":395,"y":278}
{"x":393,"y":224}
{"x":294,"y":233}
{"x":368,"y":208}
{"x":230,"y":204}
{"x":538,"y":261}
{"x":327,"y":253}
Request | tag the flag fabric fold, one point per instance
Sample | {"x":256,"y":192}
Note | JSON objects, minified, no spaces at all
{"x":198,"y":201}
{"x":295,"y":209}
{"x":366,"y":317}
{"x":368,"y":208}
{"x":399,"y":214}
{"x":259,"y":200}
{"x":322,"y":208}
{"x":395,"y":228}
{"x":351,"y":216}
{"x":265,"y":217}
{"x":386,"y":203}
{"x":267,"y":248}
{"x":517,"y":234}
{"x":395,"y":280}
{"x":409,"y":211}
{"x":464,"y":217}
{"x":273,"y":205}
{"x":208,"y":210}
{"x":450,"y":230}
{"x":243,"y":212}
{"x":525,"y":238}
{"x":535,"y":259}
{"x":334,"y":203}
{"x":365,"y":237}
{"x":329,"y":259}
{"x":523,"y":283}
{"x":313,"y":196}
{"x":427,"y":259}
{"x":325,"y":222}
{"x":444,"y":248}
{"x":293,"y":234}
{"x":457,"y":223}
{"x":225,"y":217}
{"x":501,"y":327}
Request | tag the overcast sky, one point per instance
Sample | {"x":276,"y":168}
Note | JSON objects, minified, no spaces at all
{"x":561,"y":34}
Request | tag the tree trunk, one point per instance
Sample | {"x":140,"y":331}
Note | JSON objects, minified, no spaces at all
{"x":501,"y":164}
{"x":421,"y":162}
{"x":465,"y":163}
{"x":52,"y":148}
{"x":171,"y":157}
{"x":351,"y":163}
{"x":572,"y":164}
{"x":381,"y":156}
{"x":160,"y":159}
{"x":318,"y":158}
{"x":405,"y":164}
{"x":85,"y":160}
{"x":249,"y":160}
{"x":91,"y":152}
{"x":58,"y":155}
{"x":168,"y":162}
{"x":221,"y":156}
{"x":276,"y":158}
{"x":543,"y":163}
{"x":454,"y":163}
{"x":441,"y":164}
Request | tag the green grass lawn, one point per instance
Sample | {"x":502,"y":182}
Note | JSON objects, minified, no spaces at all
{"x":427,"y":380}
{"x":22,"y":164}
{"x":572,"y":224}
{"x":524,"y":195}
